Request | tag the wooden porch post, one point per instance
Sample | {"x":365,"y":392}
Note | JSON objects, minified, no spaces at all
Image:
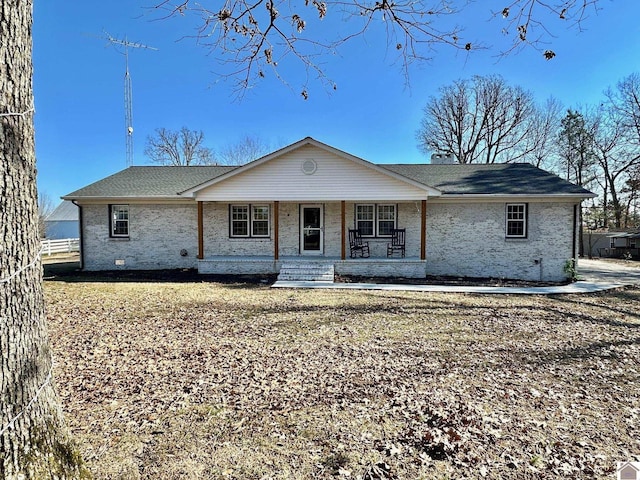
{"x":200,"y":232}
{"x":276,"y":215}
{"x":343,"y":209}
{"x":423,"y":230}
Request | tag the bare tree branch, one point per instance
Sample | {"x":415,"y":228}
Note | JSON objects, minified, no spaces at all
{"x":183,"y":147}
{"x":247,"y":149}
{"x":527,"y":21}
{"x":486,"y":120}
{"x":250,"y":39}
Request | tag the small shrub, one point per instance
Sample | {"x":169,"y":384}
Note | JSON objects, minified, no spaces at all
{"x":570,"y":270}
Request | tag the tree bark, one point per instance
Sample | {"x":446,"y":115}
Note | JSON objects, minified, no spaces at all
{"x":33,"y":438}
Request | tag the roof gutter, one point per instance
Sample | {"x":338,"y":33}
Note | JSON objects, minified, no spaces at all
{"x":119,"y":197}
{"x":497,"y":196}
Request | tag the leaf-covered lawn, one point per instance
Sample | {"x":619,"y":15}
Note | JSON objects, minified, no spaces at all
{"x":207,"y":380}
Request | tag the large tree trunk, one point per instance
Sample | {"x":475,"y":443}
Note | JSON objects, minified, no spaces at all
{"x":33,"y":439}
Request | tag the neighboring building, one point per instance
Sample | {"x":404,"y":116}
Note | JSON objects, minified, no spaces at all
{"x":622,"y":244}
{"x":63,"y":222}
{"x":498,"y":220}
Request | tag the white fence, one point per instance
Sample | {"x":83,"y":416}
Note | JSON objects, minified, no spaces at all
{"x":66,"y":245}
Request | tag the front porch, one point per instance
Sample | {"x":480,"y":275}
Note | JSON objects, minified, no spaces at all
{"x":407,"y":267}
{"x":293,"y":229}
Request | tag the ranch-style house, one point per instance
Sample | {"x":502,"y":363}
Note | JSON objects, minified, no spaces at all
{"x":314,"y":203}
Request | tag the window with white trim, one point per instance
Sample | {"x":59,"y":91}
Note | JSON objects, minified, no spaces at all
{"x":119,"y":219}
{"x":376,"y":220}
{"x":240,"y":220}
{"x":516,"y":220}
{"x":260,"y":221}
{"x":365,"y":219}
{"x":249,"y":221}
{"x":386,"y":220}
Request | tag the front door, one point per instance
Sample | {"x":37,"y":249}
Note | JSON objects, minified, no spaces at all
{"x":311,"y":230}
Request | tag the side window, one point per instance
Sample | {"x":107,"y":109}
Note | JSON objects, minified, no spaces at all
{"x":119,"y":219}
{"x":516,"y":220}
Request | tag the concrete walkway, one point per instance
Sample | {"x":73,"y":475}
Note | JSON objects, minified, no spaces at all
{"x":594,"y":276}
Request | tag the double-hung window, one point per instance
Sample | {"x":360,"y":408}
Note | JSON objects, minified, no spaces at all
{"x":119,"y":215}
{"x":365,"y":219}
{"x":376,"y":220}
{"x":240,"y":220}
{"x":516,"y":220}
{"x":386,"y":219}
{"x":249,"y":221}
{"x":260,"y":221}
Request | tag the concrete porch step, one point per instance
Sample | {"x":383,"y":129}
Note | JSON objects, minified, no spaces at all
{"x":306,"y":272}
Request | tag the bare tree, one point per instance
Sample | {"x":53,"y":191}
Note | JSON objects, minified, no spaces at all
{"x":624,"y":100}
{"x":183,"y":147}
{"x":484,"y":120}
{"x":632,"y":189}
{"x":251,"y":39}
{"x":615,"y":157}
{"x":541,"y":142}
{"x":45,"y":207}
{"x":247,"y":149}
{"x":34,"y":440}
{"x":617,"y":147}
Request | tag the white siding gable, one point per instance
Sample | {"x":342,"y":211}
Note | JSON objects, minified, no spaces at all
{"x":335,"y":178}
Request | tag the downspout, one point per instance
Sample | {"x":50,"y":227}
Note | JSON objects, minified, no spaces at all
{"x":423,"y":230}
{"x":81,"y":222}
{"x":276,"y":230}
{"x":575,"y":226}
{"x":343,"y":223}
{"x":200,"y":231}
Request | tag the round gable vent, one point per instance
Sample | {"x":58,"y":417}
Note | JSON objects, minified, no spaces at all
{"x":309,"y":166}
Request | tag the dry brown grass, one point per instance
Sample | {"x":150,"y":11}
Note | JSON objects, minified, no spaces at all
{"x":206,"y":380}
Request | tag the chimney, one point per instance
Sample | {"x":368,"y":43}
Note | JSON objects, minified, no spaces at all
{"x":442,"y":159}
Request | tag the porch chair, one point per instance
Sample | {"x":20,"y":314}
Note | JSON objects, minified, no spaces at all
{"x":357,"y":245}
{"x":397,"y":242}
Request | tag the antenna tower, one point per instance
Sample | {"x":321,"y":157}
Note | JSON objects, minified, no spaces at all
{"x":128,"y":96}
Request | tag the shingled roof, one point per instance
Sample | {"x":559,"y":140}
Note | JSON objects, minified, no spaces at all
{"x":451,"y":180}
{"x":149,"y":182}
{"x":65,"y":212}
{"x":488,"y":179}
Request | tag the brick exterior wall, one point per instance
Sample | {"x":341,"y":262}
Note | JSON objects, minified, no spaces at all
{"x":469,"y":240}
{"x":157,"y":234}
{"x":462,"y":240}
{"x":217,"y":241}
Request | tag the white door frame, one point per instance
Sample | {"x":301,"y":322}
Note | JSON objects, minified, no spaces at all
{"x":305,"y":230}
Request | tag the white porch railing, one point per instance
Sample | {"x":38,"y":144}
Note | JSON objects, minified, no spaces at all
{"x":65,"y":245}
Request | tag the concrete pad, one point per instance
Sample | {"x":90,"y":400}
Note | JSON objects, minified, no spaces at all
{"x":578,"y":287}
{"x":595,"y":276}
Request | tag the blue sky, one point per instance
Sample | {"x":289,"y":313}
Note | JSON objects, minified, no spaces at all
{"x":79,"y":99}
